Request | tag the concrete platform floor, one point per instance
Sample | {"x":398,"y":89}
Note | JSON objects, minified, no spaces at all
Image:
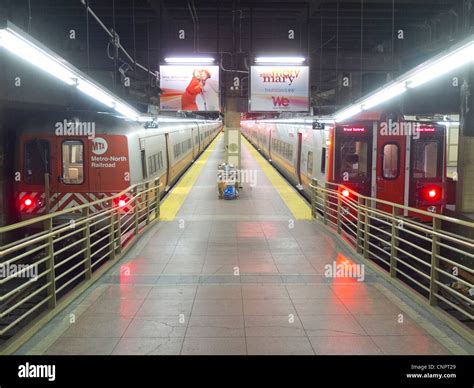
{"x":240,"y":277}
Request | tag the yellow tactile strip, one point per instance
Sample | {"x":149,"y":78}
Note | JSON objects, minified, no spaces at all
{"x":175,"y":199}
{"x":293,"y":200}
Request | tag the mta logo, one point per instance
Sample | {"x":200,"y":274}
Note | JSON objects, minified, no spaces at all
{"x":99,"y":146}
{"x":280,"y":101}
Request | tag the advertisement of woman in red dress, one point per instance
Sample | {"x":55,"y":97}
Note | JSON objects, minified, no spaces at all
{"x":188,"y":98}
{"x":189,"y":88}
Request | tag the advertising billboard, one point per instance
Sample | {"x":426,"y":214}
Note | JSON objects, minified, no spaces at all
{"x":279,"y":88}
{"x":190,"y":88}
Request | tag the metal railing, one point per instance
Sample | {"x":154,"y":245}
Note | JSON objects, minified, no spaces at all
{"x":62,"y":250}
{"x":432,"y":253}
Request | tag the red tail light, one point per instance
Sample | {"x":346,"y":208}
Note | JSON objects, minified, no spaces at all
{"x":27,"y":202}
{"x":345,"y":193}
{"x":121,"y":202}
{"x":431,"y":193}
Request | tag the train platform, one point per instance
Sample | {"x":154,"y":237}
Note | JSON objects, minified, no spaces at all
{"x":249,"y":276}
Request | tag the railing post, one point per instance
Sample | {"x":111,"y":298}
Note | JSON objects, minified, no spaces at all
{"x":339,"y":206}
{"x":87,"y":243}
{"x":434,"y":262}
{"x":325,"y":207}
{"x":394,"y":243}
{"x":366,"y":230}
{"x":148,"y":198}
{"x":135,"y":210}
{"x":314,"y":199}
{"x":112,"y":230}
{"x":51,"y":277}
{"x":359,"y":224}
{"x":119,"y":231}
{"x":157,"y":199}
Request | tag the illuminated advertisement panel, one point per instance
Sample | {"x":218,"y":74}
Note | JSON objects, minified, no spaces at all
{"x":279,"y":88}
{"x":190,"y":88}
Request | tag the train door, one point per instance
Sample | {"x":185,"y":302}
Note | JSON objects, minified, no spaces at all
{"x":298,"y":156}
{"x":70,"y":182}
{"x":168,"y":160}
{"x":390,"y":169}
{"x":353,"y":157}
{"x":193,"y":139}
{"x":427,"y":168}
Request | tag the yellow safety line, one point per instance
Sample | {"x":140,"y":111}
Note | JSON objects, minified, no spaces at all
{"x":175,"y":199}
{"x":293,"y":200}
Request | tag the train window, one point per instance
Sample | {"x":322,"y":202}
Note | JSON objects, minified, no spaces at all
{"x":309,"y":166}
{"x":390,"y":161}
{"x":152,"y":164}
{"x":354,"y":159}
{"x":323,"y":161}
{"x":425,"y":159}
{"x":143,"y":160}
{"x":37,"y":159}
{"x":177,"y":150}
{"x":160,"y":160}
{"x":73,"y":162}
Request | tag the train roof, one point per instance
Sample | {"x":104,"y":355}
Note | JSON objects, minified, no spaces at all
{"x":104,"y":123}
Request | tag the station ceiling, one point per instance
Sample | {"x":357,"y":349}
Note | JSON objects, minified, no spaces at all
{"x":369,"y":41}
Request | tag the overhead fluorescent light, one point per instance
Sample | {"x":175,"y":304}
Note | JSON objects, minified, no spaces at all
{"x":26,"y":47}
{"x":347,"y":113}
{"x":189,"y":60}
{"x":448,"y":123}
{"x":21,"y":47}
{"x":442,"y":64}
{"x":385,"y":94}
{"x":96,"y":93}
{"x":280,"y":60}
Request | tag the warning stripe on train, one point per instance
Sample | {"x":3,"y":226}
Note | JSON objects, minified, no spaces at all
{"x":58,"y":201}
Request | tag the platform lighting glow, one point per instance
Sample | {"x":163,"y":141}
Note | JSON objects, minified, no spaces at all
{"x":22,"y":45}
{"x":442,"y":64}
{"x":189,"y":60}
{"x":279,"y":59}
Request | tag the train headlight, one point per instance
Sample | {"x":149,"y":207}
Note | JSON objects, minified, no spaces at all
{"x":121,"y":203}
{"x":345,"y":193}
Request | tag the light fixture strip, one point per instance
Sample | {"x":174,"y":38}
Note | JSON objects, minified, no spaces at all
{"x":190,"y":60}
{"x":280,"y":60}
{"x":26,"y":47}
{"x":454,"y":58}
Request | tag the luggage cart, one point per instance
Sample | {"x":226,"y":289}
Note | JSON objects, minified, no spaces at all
{"x":227,"y":181}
